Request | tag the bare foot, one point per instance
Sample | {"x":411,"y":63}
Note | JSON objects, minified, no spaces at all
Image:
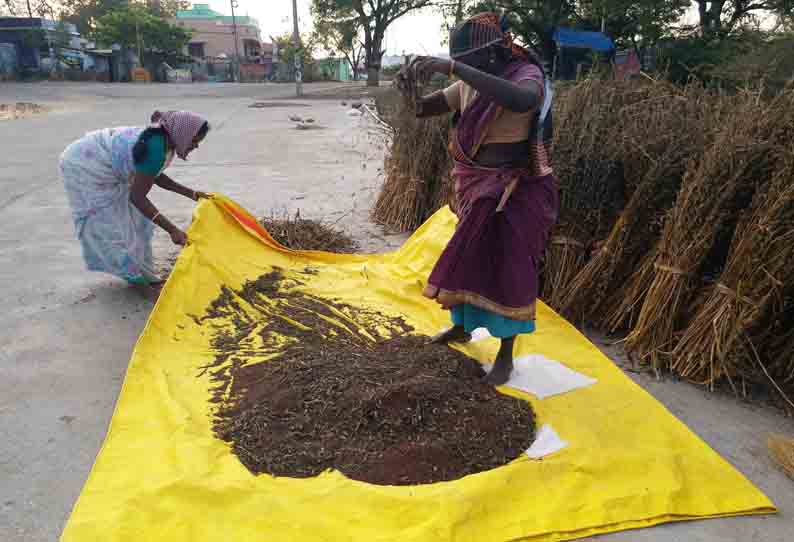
{"x":454,"y":335}
{"x":149,"y":292}
{"x":501,"y":371}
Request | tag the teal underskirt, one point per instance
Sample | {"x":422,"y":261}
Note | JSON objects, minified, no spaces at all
{"x":471,"y":318}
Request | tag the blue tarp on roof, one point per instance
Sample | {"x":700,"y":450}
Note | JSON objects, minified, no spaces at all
{"x":597,"y":41}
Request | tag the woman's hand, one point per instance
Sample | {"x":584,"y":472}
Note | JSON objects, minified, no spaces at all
{"x":426,"y":66}
{"x":200,"y":195}
{"x":179,"y":237}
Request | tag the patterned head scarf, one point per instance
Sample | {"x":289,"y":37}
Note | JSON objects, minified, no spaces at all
{"x":481,"y":31}
{"x":181,"y":127}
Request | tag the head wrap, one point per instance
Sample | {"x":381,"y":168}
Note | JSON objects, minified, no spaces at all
{"x":481,"y":31}
{"x":181,"y":127}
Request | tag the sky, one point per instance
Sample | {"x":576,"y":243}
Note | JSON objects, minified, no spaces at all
{"x":420,"y":32}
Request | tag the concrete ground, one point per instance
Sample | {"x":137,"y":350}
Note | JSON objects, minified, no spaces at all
{"x":66,"y":335}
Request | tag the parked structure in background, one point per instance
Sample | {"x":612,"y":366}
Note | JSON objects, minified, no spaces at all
{"x":334,"y":69}
{"x":578,"y":51}
{"x":627,"y":65}
{"x":36,"y":46}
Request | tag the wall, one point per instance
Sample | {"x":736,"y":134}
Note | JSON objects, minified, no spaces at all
{"x":218,"y":37}
{"x":8,"y":61}
{"x":250,"y":73}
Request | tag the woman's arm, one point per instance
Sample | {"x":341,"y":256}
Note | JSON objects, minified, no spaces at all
{"x":517,"y":97}
{"x":167,"y":183}
{"x":141,"y":185}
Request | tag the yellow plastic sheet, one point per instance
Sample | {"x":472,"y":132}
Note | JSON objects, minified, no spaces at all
{"x":162,"y":475}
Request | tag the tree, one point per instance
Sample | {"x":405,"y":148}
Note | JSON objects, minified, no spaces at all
{"x":721,"y":17}
{"x":635,"y":23}
{"x":166,"y":8}
{"x":374,"y":17}
{"x":287,"y":51}
{"x":534,"y":21}
{"x":135,"y":27}
{"x":341,"y":36}
{"x":28,"y":8}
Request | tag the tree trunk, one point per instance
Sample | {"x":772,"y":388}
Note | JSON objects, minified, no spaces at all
{"x":374,"y":54}
{"x":373,"y":76}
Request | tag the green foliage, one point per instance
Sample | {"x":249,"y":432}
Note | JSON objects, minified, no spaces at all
{"x":340,"y":35}
{"x":739,"y":59}
{"x":717,"y":18}
{"x":85,"y":13}
{"x":373,"y":17}
{"x":126,"y":26}
{"x":630,"y":23}
{"x":287,"y":49}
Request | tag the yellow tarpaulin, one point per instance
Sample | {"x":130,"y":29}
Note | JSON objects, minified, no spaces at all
{"x":162,"y":474}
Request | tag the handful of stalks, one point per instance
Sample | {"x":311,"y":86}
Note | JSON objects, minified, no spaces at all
{"x":410,"y":83}
{"x":716,"y":190}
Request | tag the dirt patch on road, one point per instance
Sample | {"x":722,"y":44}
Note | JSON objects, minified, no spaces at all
{"x":20,"y":110}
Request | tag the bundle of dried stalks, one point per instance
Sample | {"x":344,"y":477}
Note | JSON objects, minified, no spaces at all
{"x":591,"y":181}
{"x":760,"y":263}
{"x":699,"y":227}
{"x":776,"y":344}
{"x":417,"y":172}
{"x":673,"y":127}
{"x":781,"y":450}
{"x":417,"y":168}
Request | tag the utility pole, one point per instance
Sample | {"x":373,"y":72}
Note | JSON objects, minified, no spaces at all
{"x":298,"y":56}
{"x":236,"y":65}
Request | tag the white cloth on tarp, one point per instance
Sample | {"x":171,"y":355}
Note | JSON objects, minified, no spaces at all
{"x":547,"y":442}
{"x":479,"y":334}
{"x":544,"y":377}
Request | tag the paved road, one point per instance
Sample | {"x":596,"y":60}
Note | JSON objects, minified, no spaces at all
{"x":66,"y":335}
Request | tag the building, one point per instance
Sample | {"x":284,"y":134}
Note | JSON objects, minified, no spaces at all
{"x":578,"y":51}
{"x":35,"y":39}
{"x":269,"y":58}
{"x":36,"y":46}
{"x":334,"y":69}
{"x":213,"y":34}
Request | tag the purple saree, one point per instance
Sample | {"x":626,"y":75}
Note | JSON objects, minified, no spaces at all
{"x":505,"y":218}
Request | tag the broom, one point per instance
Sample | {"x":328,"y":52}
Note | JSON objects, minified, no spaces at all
{"x":781,"y":450}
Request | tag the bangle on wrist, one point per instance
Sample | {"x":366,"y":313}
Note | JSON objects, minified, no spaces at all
{"x":155,"y":216}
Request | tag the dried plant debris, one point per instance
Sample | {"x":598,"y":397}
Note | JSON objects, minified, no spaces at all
{"x":300,"y":233}
{"x":303,"y":384}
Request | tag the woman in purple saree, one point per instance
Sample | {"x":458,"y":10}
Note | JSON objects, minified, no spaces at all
{"x":505,"y":192}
